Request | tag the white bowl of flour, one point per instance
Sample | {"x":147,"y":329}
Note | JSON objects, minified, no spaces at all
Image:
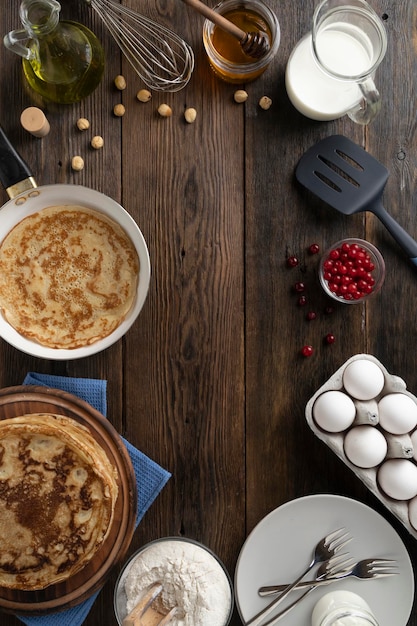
{"x":193,"y":579}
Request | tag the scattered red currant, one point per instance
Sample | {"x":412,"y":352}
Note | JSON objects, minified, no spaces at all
{"x":292,"y":261}
{"x":348,"y":271}
{"x":299,"y":287}
{"x":307,"y":350}
{"x":302,"y":300}
{"x":328,"y":310}
{"x":330,"y":338}
{"x":311,"y":315}
{"x":314,"y":248}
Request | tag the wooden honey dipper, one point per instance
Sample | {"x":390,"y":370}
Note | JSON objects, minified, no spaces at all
{"x":254,"y":44}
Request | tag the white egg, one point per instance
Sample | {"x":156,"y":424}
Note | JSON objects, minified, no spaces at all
{"x":363,"y":379}
{"x":398,"y":479}
{"x":412,"y":512}
{"x":334,"y":411}
{"x":397,"y":413}
{"x":365,"y":446}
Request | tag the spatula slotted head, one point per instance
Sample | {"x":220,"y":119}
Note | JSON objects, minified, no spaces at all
{"x":343,"y":174}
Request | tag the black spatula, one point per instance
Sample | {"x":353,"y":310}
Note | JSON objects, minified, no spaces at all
{"x":350,"y":180}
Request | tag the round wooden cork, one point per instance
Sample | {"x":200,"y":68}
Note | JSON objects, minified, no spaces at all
{"x":34,"y":121}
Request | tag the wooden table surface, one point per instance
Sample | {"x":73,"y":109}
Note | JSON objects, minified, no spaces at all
{"x":209,"y":382}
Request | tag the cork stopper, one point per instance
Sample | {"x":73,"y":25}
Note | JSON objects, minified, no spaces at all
{"x":34,"y":121}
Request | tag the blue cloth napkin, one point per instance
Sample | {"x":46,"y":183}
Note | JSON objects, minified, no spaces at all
{"x":150,"y":477}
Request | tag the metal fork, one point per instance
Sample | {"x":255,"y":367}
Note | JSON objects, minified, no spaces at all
{"x":324,"y":551}
{"x":365,"y":569}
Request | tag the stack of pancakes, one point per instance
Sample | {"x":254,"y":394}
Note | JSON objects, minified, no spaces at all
{"x":68,"y":276}
{"x":58,"y":492}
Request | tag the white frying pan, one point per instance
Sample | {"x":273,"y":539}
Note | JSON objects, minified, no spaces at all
{"x":27,"y":198}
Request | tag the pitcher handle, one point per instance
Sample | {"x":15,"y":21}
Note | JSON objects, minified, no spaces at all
{"x":369,"y":106}
{"x":13,"y":40}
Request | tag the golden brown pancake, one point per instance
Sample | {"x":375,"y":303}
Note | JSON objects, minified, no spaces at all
{"x":68,"y":276}
{"x":57,"y":496}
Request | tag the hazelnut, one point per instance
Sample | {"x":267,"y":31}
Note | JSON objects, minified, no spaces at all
{"x":144,"y":95}
{"x":97,"y":142}
{"x":77,"y":163}
{"x":119,"y":110}
{"x":190,"y":115}
{"x":265,"y":103}
{"x":83,"y":123}
{"x":120,"y":82}
{"x":164,"y":110}
{"x":240,"y":96}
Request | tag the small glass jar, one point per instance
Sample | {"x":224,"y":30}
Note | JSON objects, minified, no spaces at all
{"x":342,"y":608}
{"x":338,"y":287}
{"x":227,"y":60}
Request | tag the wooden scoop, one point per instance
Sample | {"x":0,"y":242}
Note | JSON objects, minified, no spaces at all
{"x":144,"y":614}
{"x":255,"y":45}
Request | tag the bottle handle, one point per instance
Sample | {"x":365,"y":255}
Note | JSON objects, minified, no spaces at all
{"x":13,"y":40}
{"x":369,"y":105}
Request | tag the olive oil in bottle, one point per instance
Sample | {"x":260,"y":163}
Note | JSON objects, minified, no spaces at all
{"x":63,"y":61}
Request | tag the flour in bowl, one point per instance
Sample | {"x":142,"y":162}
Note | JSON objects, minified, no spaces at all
{"x":193,"y":580}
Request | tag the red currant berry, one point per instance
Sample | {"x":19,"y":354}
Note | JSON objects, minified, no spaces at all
{"x":302,"y":301}
{"x":292,"y":261}
{"x":329,"y":310}
{"x":314,"y":248}
{"x":311,"y":315}
{"x":330,"y":338}
{"x":307,"y":350}
{"x":299,"y":287}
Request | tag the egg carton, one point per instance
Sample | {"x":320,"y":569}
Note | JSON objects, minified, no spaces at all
{"x":366,"y":414}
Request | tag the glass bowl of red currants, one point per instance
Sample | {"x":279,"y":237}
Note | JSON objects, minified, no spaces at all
{"x":351,"y":271}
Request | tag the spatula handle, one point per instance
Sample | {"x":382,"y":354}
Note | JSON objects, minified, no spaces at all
{"x":408,"y":244}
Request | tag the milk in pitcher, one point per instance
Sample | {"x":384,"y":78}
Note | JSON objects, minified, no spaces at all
{"x":315,"y":93}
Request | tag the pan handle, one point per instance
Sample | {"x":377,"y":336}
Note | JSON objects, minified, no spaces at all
{"x":15,"y":174}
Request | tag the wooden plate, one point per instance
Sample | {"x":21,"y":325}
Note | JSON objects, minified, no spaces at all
{"x":16,"y":401}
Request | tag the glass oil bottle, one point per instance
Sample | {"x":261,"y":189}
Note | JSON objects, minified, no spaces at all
{"x":63,"y":61}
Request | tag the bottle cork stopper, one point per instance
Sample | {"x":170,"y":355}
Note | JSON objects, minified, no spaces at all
{"x":34,"y":121}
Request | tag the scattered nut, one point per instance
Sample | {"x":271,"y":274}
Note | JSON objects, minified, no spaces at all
{"x":164,"y":110}
{"x":97,"y":142}
{"x":265,"y":103}
{"x":120,"y":82}
{"x":77,"y":163}
{"x":190,"y":114}
{"x":119,"y":110}
{"x":83,"y":123}
{"x":144,"y":95}
{"x":240,"y":96}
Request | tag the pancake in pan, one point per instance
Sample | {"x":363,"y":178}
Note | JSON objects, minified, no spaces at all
{"x":68,"y":276}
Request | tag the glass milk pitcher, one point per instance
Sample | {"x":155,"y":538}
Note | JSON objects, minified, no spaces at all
{"x":62,"y":60}
{"x":330,"y":72}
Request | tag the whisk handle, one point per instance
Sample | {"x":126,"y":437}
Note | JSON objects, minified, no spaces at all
{"x":216,"y":18}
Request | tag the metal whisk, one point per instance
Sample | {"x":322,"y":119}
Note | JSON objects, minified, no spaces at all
{"x":159,"y":56}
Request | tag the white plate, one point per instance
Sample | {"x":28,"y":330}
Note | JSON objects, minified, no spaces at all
{"x":282,"y":545}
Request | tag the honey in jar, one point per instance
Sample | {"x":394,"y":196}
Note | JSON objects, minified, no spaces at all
{"x":224,"y":51}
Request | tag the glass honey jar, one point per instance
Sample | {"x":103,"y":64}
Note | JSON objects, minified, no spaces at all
{"x":224,"y":51}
